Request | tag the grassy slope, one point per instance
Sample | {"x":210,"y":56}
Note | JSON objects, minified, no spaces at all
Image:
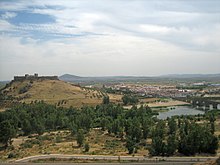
{"x":54,"y":91}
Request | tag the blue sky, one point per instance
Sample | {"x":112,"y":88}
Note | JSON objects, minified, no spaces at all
{"x":110,"y":37}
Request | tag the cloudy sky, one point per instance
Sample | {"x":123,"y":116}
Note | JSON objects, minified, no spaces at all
{"x":109,"y":37}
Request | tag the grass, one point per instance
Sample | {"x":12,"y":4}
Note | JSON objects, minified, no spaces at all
{"x":168,"y":103}
{"x":58,"y":93}
{"x":62,"y":142}
{"x":161,"y":109}
{"x":163,"y":105}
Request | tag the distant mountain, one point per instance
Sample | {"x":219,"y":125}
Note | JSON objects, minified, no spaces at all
{"x":78,"y":79}
{"x":3,"y":83}
{"x":171,"y":77}
{"x":192,"y":75}
{"x":69,"y":77}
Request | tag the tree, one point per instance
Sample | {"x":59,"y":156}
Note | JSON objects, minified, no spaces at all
{"x":172,"y":126}
{"x":7,"y":132}
{"x":105,"y":100}
{"x":129,"y":99}
{"x":87,"y":147}
{"x":80,"y":138}
{"x":157,"y":146}
{"x":196,"y":139}
{"x":146,"y":127}
{"x":125,"y":99}
{"x":73,"y":128}
{"x":171,"y":145}
{"x":212,"y":123}
{"x":38,"y":126}
{"x":130,"y":145}
{"x":104,"y":123}
{"x":134,"y":130}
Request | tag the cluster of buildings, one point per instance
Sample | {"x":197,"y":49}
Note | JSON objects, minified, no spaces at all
{"x":153,"y":90}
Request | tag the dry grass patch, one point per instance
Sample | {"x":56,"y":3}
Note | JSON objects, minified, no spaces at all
{"x":167,"y":104}
{"x":58,"y":93}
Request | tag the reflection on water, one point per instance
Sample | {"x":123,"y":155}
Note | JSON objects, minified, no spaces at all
{"x":179,"y":110}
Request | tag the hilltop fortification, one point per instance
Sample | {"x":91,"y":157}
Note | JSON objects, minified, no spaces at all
{"x":34,"y":77}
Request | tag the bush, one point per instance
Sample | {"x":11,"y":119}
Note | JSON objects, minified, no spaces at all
{"x":12,"y":155}
{"x":43,"y":138}
{"x":58,"y":139}
{"x":23,"y":90}
{"x":27,"y":145}
{"x":35,"y":141}
{"x":87,"y":147}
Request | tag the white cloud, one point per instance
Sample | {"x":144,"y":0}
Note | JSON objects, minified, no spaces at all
{"x":136,"y":38}
{"x":101,"y":55}
{"x":4,"y":25}
{"x":156,"y":29}
{"x":8,"y":15}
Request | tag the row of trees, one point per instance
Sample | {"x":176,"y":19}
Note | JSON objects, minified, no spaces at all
{"x":187,"y":137}
{"x":131,"y":126}
{"x":126,"y":99}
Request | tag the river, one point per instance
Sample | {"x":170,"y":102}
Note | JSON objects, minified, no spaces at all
{"x":179,"y":110}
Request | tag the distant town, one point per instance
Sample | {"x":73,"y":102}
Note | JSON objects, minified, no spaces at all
{"x":172,"y":91}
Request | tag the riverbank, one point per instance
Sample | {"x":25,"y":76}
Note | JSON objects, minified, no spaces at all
{"x":160,"y":104}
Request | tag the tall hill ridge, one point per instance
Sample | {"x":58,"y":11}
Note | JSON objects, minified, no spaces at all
{"x":52,"y":91}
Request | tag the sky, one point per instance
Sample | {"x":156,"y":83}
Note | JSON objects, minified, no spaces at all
{"x":109,"y":37}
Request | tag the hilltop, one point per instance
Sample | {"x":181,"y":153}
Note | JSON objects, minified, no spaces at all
{"x":55,"y":92}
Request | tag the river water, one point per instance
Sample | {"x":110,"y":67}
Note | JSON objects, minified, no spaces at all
{"x":179,"y":110}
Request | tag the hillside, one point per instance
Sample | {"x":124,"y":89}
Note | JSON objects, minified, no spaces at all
{"x":54,"y":92}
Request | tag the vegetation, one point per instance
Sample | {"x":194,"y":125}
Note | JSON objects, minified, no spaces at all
{"x":189,"y":138}
{"x":87,"y":147}
{"x":80,"y":138}
{"x":129,"y":99}
{"x":105,"y":100}
{"x":133,"y":127}
{"x":53,"y":92}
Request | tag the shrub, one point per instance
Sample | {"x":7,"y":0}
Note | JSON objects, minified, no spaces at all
{"x":87,"y":147}
{"x":12,"y":155}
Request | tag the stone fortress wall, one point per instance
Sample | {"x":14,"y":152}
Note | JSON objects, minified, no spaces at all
{"x":34,"y":77}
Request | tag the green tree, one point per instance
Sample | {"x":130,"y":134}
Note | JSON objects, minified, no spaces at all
{"x":104,"y":123}
{"x":87,"y":147}
{"x":130,"y":145}
{"x":146,"y":127}
{"x":171,"y":145}
{"x":105,"y":99}
{"x":129,"y":99}
{"x":7,"y":132}
{"x":212,"y":123}
{"x":134,"y":130}
{"x":172,"y":126}
{"x":157,"y":146}
{"x":80,"y":138}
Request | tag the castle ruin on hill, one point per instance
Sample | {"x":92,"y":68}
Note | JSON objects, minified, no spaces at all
{"x":34,"y":77}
